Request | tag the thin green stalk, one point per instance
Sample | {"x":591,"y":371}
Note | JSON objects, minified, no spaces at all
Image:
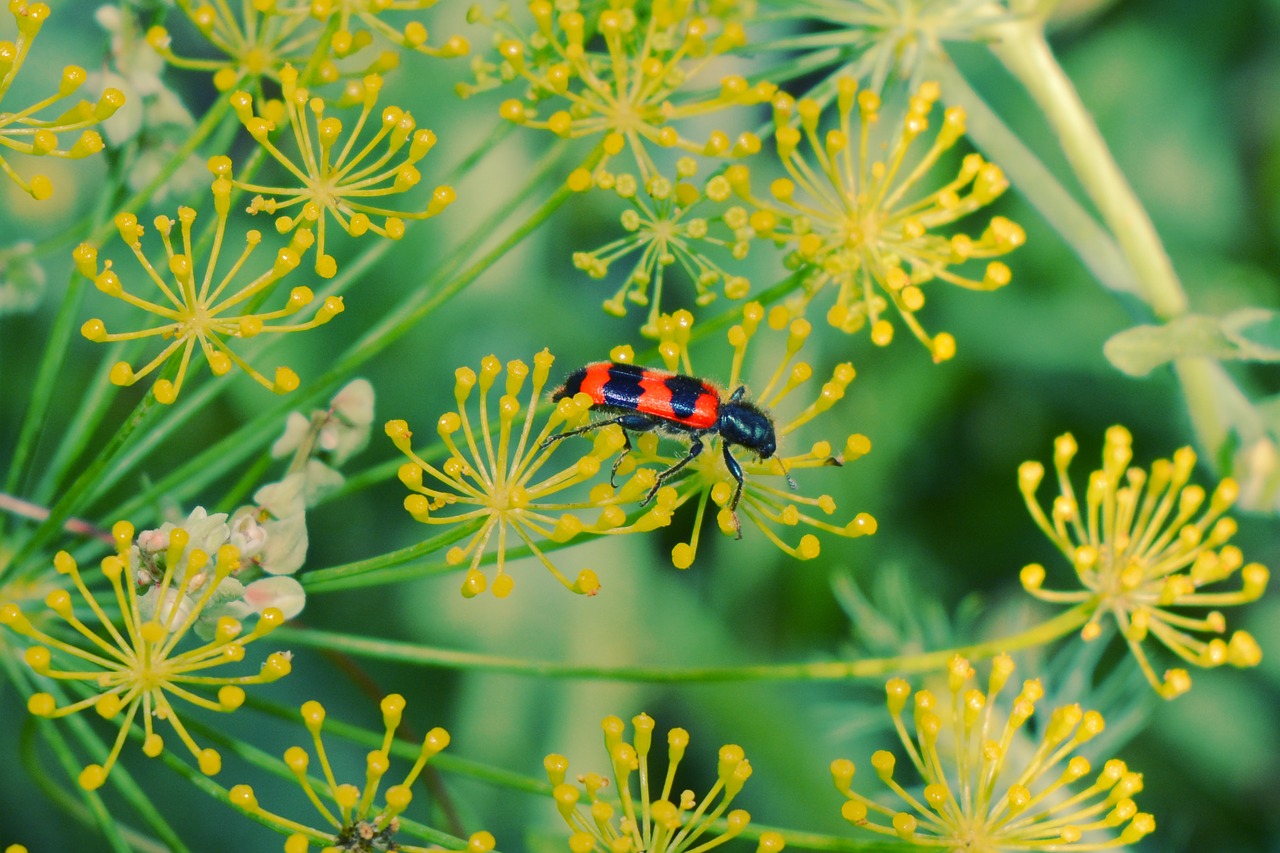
{"x":93,"y":407}
{"x":73,"y":496}
{"x":46,"y":380}
{"x":1021,"y":46}
{"x":42,"y":386}
{"x":53,"y":736}
{"x":418,"y":655}
{"x":351,"y":575}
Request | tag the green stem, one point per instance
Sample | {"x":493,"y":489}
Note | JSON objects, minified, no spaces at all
{"x":417,"y":655}
{"x":46,"y":380}
{"x":1021,"y":46}
{"x":351,"y":574}
{"x":72,"y":497}
{"x":55,"y":739}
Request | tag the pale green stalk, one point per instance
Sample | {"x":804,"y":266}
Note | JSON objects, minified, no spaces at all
{"x":418,"y":655}
{"x":1092,"y":244}
{"x":1022,"y":47}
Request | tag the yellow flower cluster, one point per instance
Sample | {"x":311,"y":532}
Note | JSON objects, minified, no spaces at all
{"x":651,"y":820}
{"x":634,"y":92}
{"x":22,"y":131}
{"x":990,"y":784}
{"x":506,"y":487}
{"x":336,"y":179}
{"x":1143,"y":545}
{"x":666,"y":226}
{"x":357,"y":823}
{"x":202,"y":310}
{"x":266,"y":36}
{"x":850,"y":220}
{"x":136,"y":669}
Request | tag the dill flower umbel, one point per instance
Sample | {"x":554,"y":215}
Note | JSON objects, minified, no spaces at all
{"x":849,"y":219}
{"x":707,"y":480}
{"x":634,"y":92}
{"x":356,"y":823}
{"x":989,"y":787}
{"x":136,"y":668}
{"x":506,"y":487}
{"x":202,"y":312}
{"x":651,"y":820}
{"x":667,"y":225}
{"x":258,"y":42}
{"x":1143,"y":545}
{"x":337,"y":178}
{"x":21,"y":131}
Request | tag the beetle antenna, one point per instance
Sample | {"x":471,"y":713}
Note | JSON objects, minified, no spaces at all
{"x":786,"y":473}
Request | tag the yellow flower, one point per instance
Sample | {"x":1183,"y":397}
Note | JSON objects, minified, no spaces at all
{"x":848,"y":219}
{"x":344,"y":41}
{"x":663,"y":228}
{"x":21,"y":131}
{"x":1143,"y":544}
{"x":500,"y":484}
{"x":706,"y":478}
{"x":202,"y":312}
{"x":633,"y":92}
{"x":135,"y":668}
{"x":256,"y":44}
{"x":357,"y":823}
{"x":653,"y":821}
{"x":337,"y":178}
{"x":989,"y":787}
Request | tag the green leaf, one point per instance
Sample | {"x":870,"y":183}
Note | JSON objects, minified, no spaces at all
{"x":1250,"y":334}
{"x":22,"y":279}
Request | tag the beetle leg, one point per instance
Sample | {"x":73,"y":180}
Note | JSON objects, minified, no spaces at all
{"x":626,"y":448}
{"x":695,"y":447}
{"x":736,"y":471}
{"x":628,"y":421}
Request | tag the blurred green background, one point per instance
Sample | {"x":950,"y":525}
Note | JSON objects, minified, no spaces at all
{"x":1184,"y":91}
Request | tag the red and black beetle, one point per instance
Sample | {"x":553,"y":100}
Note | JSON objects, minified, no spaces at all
{"x":642,"y":399}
